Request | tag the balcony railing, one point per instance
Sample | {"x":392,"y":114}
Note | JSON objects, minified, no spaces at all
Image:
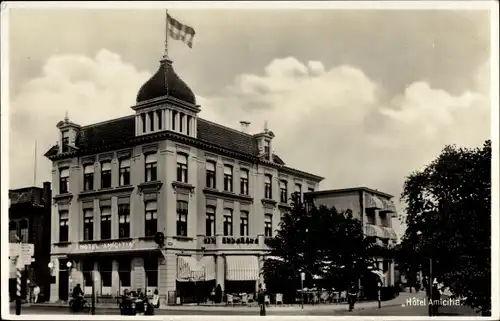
{"x":232,"y":242}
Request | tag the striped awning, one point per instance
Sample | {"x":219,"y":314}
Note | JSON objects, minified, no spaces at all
{"x":188,"y":269}
{"x":208,"y":264}
{"x":390,"y":233}
{"x":372,"y":201}
{"x":242,"y":268}
{"x":375,"y":231}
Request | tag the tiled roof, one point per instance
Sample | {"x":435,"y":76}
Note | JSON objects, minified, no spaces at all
{"x":122,"y":130}
{"x":106,"y":133}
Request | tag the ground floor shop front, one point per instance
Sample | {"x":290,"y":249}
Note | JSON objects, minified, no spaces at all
{"x":177,"y":276}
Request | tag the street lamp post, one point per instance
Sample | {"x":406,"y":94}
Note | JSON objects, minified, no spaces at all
{"x":429,"y":285}
{"x":69,"y":265}
{"x":302,"y":278}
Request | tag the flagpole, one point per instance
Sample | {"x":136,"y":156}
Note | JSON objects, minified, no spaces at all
{"x":34,"y":169}
{"x":165,"y":55}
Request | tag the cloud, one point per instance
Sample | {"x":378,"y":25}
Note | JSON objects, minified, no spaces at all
{"x":89,"y":89}
{"x":331,"y":122}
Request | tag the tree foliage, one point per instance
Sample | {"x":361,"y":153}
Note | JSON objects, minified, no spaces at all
{"x":318,"y":241}
{"x":448,"y":220}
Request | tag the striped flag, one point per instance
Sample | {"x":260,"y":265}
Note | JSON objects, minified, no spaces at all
{"x":179,"y":31}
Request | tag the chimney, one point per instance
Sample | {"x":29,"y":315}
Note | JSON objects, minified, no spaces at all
{"x":47,"y":194}
{"x":244,"y":126}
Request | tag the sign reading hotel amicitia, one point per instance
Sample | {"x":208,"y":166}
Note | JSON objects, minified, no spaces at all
{"x":109,"y":246}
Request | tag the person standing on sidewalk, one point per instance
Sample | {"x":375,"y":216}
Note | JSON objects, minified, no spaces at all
{"x":352,"y":295}
{"x":261,"y":298}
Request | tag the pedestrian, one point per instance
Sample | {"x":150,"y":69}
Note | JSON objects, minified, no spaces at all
{"x":36,"y":293}
{"x":436,"y":298}
{"x":156,"y":299}
{"x":261,"y":297}
{"x":352,"y":295}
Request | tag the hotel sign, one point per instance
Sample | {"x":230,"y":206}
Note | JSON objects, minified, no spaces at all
{"x":109,"y":246}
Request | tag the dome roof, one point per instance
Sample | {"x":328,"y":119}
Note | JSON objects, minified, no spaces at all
{"x":156,"y":86}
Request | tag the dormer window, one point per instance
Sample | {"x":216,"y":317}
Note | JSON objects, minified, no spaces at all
{"x":266,"y":147}
{"x":65,"y":141}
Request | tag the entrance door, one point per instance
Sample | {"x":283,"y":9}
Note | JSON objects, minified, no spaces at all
{"x":63,"y":285}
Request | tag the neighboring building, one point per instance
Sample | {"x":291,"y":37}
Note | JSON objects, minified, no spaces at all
{"x":215,"y":192}
{"x":29,"y":218}
{"x":374,"y":209}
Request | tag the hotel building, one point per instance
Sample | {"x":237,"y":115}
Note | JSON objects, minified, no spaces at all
{"x":375,"y":210}
{"x":216,"y":193}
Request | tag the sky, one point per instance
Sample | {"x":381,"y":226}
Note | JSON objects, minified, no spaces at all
{"x":360,"y":97}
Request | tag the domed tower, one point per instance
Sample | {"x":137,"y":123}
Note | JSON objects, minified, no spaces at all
{"x":165,"y":102}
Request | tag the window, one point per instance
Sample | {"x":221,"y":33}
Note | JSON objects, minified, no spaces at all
{"x":228,"y":178}
{"x":105,"y":270}
{"x":150,"y":171}
{"x":182,"y":213}
{"x":174,"y":119}
{"x":298,"y":191}
{"x":211,"y":180}
{"x":268,"y":187}
{"x":87,"y":268}
{"x":370,"y":216}
{"x":182,"y":170}
{"x":65,"y":141}
{"x":244,"y":182}
{"x":63,"y":226}
{"x":143,"y":121}
{"x":210,"y":222}
{"x":189,"y":125}
{"x":63,"y":180}
{"x":158,"y":116}
{"x":24,"y":229}
{"x":106,"y":175}
{"x":283,"y":191}
{"x":124,"y":171}
{"x":266,"y":147}
{"x":228,"y":222}
{"x":105,"y":223}
{"x":310,"y":189}
{"x":151,"y":116}
{"x":268,"y":225}
{"x":88,"y":177}
{"x":88,"y":225}
{"x":123,"y":220}
{"x":151,"y":269}
{"x":124,"y":272}
{"x":12,"y":232}
{"x":243,"y":223}
{"x":151,"y":220}
{"x":181,"y":122}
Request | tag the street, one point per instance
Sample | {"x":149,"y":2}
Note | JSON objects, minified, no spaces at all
{"x":390,"y":310}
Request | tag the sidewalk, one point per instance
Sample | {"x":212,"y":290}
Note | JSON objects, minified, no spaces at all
{"x":398,"y":301}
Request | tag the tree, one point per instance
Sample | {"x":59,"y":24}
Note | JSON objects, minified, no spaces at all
{"x":448,"y":220}
{"x":318,"y":241}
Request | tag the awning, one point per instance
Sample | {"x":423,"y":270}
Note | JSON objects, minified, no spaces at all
{"x":375,"y":231}
{"x":242,"y":268}
{"x":389,"y":207}
{"x":390,"y":233}
{"x":372,"y":201}
{"x":208,"y":264}
{"x":276,"y":258}
{"x":188,"y":269}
